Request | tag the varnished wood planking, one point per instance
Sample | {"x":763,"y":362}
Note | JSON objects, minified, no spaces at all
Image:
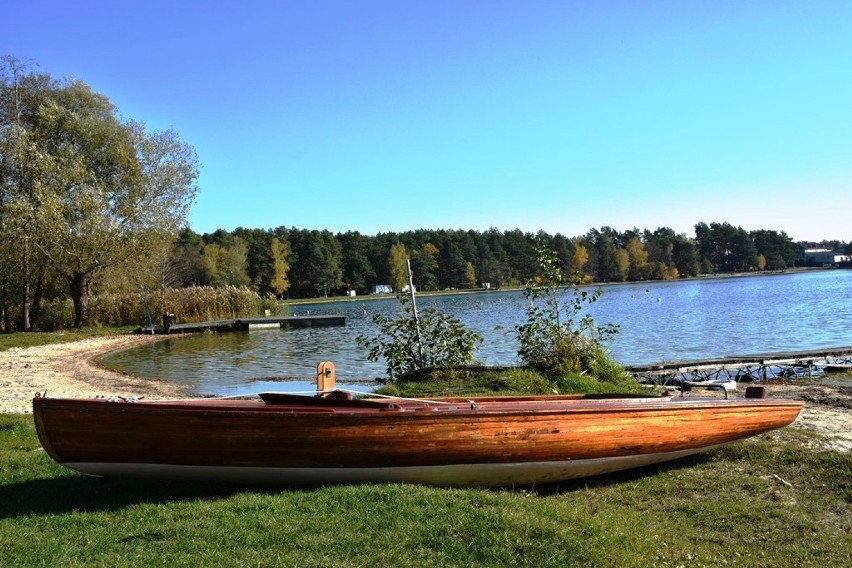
{"x":232,"y":434}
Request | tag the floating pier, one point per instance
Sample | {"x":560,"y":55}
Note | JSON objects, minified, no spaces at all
{"x":749,"y":368}
{"x":243,"y":324}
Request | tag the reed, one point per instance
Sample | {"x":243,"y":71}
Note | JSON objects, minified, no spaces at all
{"x":197,"y":303}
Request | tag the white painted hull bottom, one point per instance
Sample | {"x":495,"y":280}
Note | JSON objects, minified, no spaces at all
{"x":458,"y":475}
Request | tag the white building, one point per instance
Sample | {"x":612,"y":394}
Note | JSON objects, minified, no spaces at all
{"x":815,"y":256}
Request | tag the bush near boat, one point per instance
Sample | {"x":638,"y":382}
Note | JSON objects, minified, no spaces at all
{"x":770,"y":501}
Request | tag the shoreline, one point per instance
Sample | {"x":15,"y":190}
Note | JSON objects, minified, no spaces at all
{"x":464,"y":291}
{"x":71,"y":370}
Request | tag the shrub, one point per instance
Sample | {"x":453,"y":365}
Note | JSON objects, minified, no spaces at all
{"x":427,"y":339}
{"x":556,"y":338}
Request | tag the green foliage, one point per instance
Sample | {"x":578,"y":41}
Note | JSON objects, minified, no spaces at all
{"x":556,"y":337}
{"x":482,"y":381}
{"x":33,"y":338}
{"x":83,"y":190}
{"x":409,"y":343}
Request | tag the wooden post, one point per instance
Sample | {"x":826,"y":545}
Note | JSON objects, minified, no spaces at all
{"x":325,"y":376}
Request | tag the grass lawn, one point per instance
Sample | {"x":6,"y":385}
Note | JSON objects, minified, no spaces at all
{"x":769,"y":501}
{"x":31,"y":339}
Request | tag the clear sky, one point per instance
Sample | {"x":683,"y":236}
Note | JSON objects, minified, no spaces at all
{"x":458,"y":114}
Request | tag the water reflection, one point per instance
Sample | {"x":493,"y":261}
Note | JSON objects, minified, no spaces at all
{"x":658,"y":321}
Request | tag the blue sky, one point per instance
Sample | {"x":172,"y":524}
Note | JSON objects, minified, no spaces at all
{"x":563,"y":116}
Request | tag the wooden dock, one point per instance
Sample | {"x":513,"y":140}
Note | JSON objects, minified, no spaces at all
{"x":243,"y":324}
{"x":758,"y":367}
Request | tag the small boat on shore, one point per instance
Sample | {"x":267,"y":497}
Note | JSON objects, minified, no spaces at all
{"x":499,"y":441}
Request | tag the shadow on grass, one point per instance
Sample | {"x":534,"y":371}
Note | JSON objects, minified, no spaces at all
{"x":86,"y":494}
{"x":79,"y":493}
{"x":625,"y":476}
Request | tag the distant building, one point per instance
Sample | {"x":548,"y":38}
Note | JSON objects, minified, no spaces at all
{"x":382,"y":289}
{"x":815,"y":255}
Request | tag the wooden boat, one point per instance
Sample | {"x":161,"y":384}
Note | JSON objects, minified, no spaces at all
{"x":496,"y":441}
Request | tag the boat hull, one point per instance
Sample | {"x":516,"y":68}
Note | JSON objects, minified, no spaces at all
{"x":489,"y":475}
{"x":484,"y":442}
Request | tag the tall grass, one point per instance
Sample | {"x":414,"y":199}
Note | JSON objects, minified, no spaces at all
{"x":198,"y":303}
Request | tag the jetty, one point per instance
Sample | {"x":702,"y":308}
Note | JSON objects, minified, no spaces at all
{"x":745,"y":368}
{"x":248,"y":323}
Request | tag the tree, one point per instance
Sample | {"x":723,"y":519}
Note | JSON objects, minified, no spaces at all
{"x":357,"y":269}
{"x":99,"y":190}
{"x":397,"y":263}
{"x":578,"y":259}
{"x":469,"y":280}
{"x":778,"y":250}
{"x":423,"y":265}
{"x":637,"y":259}
{"x":279,"y":252}
{"x":609,"y":266}
{"x":19,"y":160}
{"x":328,"y":272}
{"x":685,"y":257}
{"x":226,"y":265}
{"x":187,"y":260}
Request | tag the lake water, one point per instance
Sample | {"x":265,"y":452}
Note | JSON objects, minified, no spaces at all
{"x":692,"y":319}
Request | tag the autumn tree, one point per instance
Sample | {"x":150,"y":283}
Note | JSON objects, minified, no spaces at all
{"x":469,"y":280}
{"x":279,"y":253}
{"x":398,"y":266}
{"x":578,"y":259}
{"x":637,"y":257}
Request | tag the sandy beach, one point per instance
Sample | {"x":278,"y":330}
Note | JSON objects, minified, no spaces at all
{"x":69,"y":370}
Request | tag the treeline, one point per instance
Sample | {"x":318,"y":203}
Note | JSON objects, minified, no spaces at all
{"x":300,"y":263}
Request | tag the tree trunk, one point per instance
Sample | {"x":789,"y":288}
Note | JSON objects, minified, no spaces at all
{"x":79,"y":284}
{"x":4,"y":307}
{"x":25,"y":300}
{"x":38,"y":295}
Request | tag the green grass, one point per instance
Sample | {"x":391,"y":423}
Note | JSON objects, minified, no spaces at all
{"x":33,"y":338}
{"x":511,"y":381}
{"x":725,"y":508}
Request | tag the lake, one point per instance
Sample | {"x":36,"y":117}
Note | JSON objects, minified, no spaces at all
{"x":687,"y":319}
